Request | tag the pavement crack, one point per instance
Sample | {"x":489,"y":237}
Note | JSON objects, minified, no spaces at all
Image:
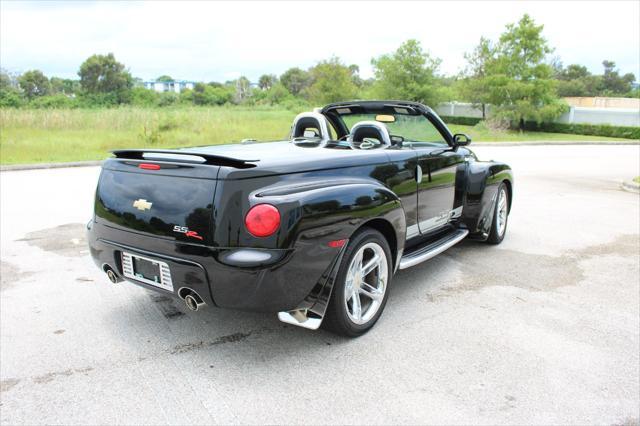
{"x":46,"y":378}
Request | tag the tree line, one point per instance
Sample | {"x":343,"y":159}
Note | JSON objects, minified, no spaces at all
{"x":516,"y":74}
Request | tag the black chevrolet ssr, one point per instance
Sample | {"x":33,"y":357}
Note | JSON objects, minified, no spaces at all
{"x":313,"y":227}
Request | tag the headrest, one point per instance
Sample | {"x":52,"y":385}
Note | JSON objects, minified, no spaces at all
{"x":371,"y":130}
{"x":305,"y":121}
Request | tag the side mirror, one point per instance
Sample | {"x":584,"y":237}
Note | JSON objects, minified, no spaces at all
{"x":461,"y":139}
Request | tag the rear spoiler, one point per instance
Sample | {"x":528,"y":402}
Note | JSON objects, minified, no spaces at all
{"x":174,"y":155}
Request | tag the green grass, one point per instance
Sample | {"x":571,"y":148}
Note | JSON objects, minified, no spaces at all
{"x":36,"y":136}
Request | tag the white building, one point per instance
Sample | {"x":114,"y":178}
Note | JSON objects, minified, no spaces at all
{"x":176,"y":86}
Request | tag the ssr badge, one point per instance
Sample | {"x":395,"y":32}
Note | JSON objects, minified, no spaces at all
{"x":184,"y":230}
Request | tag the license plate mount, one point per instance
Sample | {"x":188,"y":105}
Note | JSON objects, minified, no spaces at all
{"x":147,"y":270}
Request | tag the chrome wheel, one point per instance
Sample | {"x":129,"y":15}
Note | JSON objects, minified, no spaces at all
{"x":501,"y":217}
{"x":366,"y":283}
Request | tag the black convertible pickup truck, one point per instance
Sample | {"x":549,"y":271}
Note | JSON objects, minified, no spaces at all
{"x":313,"y":227}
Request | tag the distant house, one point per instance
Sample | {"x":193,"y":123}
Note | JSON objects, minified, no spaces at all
{"x":176,"y":86}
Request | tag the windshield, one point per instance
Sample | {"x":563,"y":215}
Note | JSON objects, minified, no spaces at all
{"x":412,"y":128}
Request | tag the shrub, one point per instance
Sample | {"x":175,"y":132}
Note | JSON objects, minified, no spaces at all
{"x":10,"y":98}
{"x":167,"y":99}
{"x":466,"y":121}
{"x":141,"y":96}
{"x":587,"y":129}
{"x":208,"y":95}
{"x":53,"y":101}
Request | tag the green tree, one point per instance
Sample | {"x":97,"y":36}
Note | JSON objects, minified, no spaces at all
{"x":104,"y":76}
{"x":164,"y":78}
{"x":267,"y":81}
{"x":64,"y":86}
{"x":576,"y":80}
{"x":473,"y":86}
{"x":33,"y":84}
{"x":295,"y":80}
{"x":612,"y":82}
{"x":10,"y":96}
{"x":518,"y":81}
{"x":573,"y":72}
{"x":408,"y":73}
{"x":243,"y":90}
{"x":205,"y":94}
{"x":332,"y":81}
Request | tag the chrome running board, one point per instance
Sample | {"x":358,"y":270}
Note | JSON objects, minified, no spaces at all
{"x":433,"y":249}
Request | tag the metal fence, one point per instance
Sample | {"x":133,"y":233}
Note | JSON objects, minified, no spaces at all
{"x":576,"y":115}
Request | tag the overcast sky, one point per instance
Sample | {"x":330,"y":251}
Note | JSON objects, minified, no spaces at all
{"x":218,"y":41}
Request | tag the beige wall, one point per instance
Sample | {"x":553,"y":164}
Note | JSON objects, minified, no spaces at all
{"x":598,"y":102}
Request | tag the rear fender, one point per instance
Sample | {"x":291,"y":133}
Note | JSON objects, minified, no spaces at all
{"x":327,"y":211}
{"x":333,"y":212}
{"x":483,"y":180}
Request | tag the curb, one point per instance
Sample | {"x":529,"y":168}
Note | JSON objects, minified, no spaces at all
{"x":630,"y":186}
{"x":16,"y":167}
{"x":542,"y":143}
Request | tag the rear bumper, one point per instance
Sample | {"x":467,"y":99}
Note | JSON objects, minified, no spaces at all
{"x":236,"y":278}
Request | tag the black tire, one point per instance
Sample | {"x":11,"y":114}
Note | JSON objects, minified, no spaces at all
{"x":336,"y":319}
{"x":497,"y":233}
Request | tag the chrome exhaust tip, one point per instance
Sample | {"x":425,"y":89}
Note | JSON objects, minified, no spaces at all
{"x":113,"y":277}
{"x":191,"y":302}
{"x":191,"y":298}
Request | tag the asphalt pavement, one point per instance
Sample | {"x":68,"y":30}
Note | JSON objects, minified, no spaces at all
{"x":542,"y":329}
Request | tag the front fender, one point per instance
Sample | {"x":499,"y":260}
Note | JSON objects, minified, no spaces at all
{"x":483,"y":179}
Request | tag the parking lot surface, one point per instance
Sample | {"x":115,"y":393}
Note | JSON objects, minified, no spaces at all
{"x":543,"y":328}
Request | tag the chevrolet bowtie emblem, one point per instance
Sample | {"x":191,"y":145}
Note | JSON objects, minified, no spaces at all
{"x":142,"y":204}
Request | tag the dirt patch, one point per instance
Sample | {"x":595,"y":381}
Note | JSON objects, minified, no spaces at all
{"x":623,"y":245}
{"x":66,"y":240}
{"x":188,"y":347}
{"x":7,"y":384}
{"x":46,"y":378}
{"x":10,"y":274}
{"x":534,"y":272}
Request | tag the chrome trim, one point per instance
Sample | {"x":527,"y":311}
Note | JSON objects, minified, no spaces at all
{"x":165,"y":274}
{"x":440,"y":220}
{"x":457,"y":212}
{"x":409,"y":261}
{"x":300,"y":318}
{"x":412,"y":231}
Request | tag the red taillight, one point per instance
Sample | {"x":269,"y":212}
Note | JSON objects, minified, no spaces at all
{"x":262,"y":220}
{"x":148,"y":166}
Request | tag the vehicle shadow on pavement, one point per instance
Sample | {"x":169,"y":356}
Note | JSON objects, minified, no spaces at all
{"x":171,"y":329}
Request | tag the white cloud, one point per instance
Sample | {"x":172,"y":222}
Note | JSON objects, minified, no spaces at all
{"x":221,"y":40}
